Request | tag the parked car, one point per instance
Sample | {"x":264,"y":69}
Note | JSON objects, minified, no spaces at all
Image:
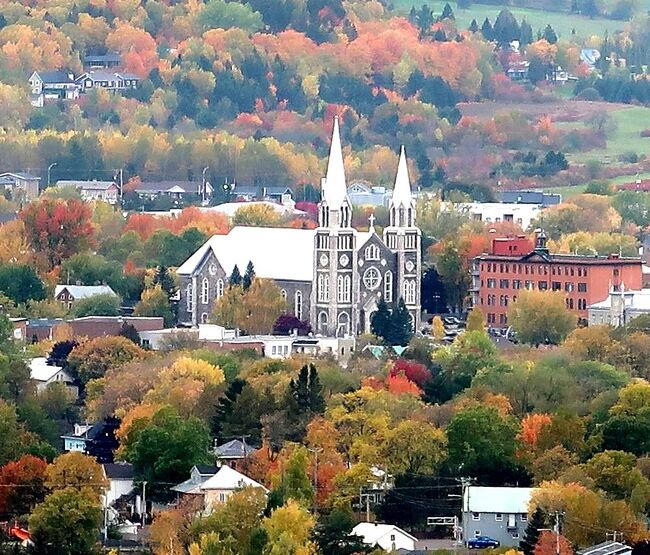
{"x":482,"y":542}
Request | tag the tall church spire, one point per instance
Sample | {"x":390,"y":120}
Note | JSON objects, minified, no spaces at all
{"x":401,"y":207}
{"x":334,"y":187}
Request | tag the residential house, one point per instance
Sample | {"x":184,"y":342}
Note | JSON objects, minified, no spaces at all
{"x":218,"y":488}
{"x":120,"y":481}
{"x":108,"y":191}
{"x":107,"y":80}
{"x":67,"y":295}
{"x":102,"y":61}
{"x":230,"y":209}
{"x":606,"y":548}
{"x":78,"y":439}
{"x":198,"y":474}
{"x":177,"y":190}
{"x":362,"y":193}
{"x":234,"y":453}
{"x":44,"y":375}
{"x":620,"y":307}
{"x":20,"y":328}
{"x":97,"y":439}
{"x":498,"y":512}
{"x":386,"y":536}
{"x":496,"y":212}
{"x":22,"y":185}
{"x":273,"y":193}
{"x":52,"y":85}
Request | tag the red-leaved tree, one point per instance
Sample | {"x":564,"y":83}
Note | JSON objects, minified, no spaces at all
{"x":414,"y":371}
{"x":22,"y":485}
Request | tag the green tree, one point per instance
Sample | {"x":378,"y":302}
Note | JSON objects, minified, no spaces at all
{"x":615,"y":472}
{"x":414,"y":448}
{"x":249,"y":276}
{"x":225,"y":406}
{"x":235,"y":277}
{"x":21,"y":283}
{"x":549,"y":35}
{"x":506,"y":28}
{"x":224,"y":15}
{"x":483,"y":443}
{"x":475,"y":321}
{"x":163,"y":278}
{"x":66,"y":523}
{"x":541,"y":317}
{"x":289,"y":529}
{"x":332,"y":533}
{"x":295,"y":482}
{"x":16,"y":439}
{"x":165,"y":448}
{"x":536,"y":522}
{"x":97,"y":305}
{"x":401,"y":325}
{"x":380,"y":319}
{"x":155,"y":302}
{"x":304,"y":400}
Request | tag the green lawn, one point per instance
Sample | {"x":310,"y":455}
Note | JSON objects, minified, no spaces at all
{"x":630,"y":121}
{"x":562,"y":23}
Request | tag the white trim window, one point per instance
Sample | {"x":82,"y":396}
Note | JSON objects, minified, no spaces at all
{"x":205,"y":291}
{"x":297,"y":305}
{"x":476,"y":516}
{"x":189,"y":297}
{"x":409,"y":292}
{"x":219,"y":288}
{"x":498,"y":516}
{"x":372,"y":252}
{"x":323,"y":285}
{"x":388,"y":287}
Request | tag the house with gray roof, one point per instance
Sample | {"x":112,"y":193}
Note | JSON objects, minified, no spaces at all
{"x":274,"y":193}
{"x":363,"y":193}
{"x":70,"y":294}
{"x":107,"y":191}
{"x":22,"y":185}
{"x":102,"y":61}
{"x":177,"y":190}
{"x":52,"y":85}
{"x":107,"y":80}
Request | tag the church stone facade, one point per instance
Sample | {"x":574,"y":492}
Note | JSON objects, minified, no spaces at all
{"x":333,"y":276}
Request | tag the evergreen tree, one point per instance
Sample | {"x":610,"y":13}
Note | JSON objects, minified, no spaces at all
{"x":249,"y":276}
{"x":531,"y":534}
{"x":447,"y":12}
{"x":473,"y":26}
{"x":486,"y":30}
{"x":439,"y":36}
{"x":130,"y":332}
{"x":316,"y":399}
{"x":235,"y":277}
{"x":506,"y":28}
{"x":525,"y":34}
{"x":380,"y":320}
{"x":163,"y":278}
{"x":549,"y":35}
{"x":225,"y":406}
{"x":401,"y":326}
{"x":304,"y":400}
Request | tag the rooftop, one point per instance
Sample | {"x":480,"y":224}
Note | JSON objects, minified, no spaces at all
{"x":229,"y":479}
{"x":169,"y":186}
{"x":639,"y":300}
{"x":84,"y":291}
{"x":606,"y":548}
{"x":87,"y":184}
{"x":234,"y":449}
{"x":497,"y":500}
{"x":118,"y":471}
{"x":372,"y":532}
{"x":40,"y":371}
{"x":55,"y":77}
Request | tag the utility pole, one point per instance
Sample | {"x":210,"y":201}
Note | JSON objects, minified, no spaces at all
{"x":49,"y":170}
{"x":203,"y":184}
{"x":465,"y":506}
{"x":144,"y":505}
{"x":315,"y":451}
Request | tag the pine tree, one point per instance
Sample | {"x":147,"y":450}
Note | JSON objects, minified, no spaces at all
{"x":439,"y":36}
{"x":380,"y":320}
{"x":130,"y":332}
{"x":163,"y":278}
{"x":531,"y":534}
{"x":447,"y":12}
{"x":235,"y":277}
{"x":550,"y":35}
{"x":316,"y":399}
{"x":224,"y":407}
{"x":486,"y":30}
{"x":473,"y":26}
{"x":525,"y":34}
{"x":249,"y":276}
{"x":401,"y":326}
{"x":506,"y":28}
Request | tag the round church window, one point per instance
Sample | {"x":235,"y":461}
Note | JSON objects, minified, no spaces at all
{"x":372,"y":278}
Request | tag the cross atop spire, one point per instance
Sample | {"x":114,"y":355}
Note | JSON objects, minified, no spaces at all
{"x":371,"y":220}
{"x":402,"y":190}
{"x":334,"y":186}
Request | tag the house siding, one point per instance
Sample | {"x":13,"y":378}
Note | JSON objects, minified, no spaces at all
{"x":509,"y":530}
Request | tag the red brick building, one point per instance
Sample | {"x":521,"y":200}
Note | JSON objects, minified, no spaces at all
{"x":514,"y":263}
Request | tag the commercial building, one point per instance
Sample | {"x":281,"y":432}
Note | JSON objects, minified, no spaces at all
{"x":512,"y":265}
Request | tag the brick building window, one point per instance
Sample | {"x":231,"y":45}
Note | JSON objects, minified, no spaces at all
{"x":582,"y":287}
{"x":556,"y":286}
{"x":516,"y":284}
{"x":568,"y":287}
{"x":542,"y":285}
{"x":504,"y":283}
{"x":491,"y":283}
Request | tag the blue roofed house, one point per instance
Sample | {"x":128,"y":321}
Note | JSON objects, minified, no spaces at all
{"x":498,"y":512}
{"x":52,"y":85}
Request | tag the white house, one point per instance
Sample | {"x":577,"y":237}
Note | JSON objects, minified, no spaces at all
{"x":498,"y":512}
{"x":107,"y":80}
{"x":108,"y":191}
{"x":52,"y":85}
{"x":120,"y":481}
{"x":387,"y":536}
{"x":497,"y":212}
{"x":223,"y":484}
{"x":619,"y":307}
{"x":44,"y":375}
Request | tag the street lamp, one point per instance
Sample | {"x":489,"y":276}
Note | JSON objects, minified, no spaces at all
{"x":203,"y":186}
{"x":49,"y":169}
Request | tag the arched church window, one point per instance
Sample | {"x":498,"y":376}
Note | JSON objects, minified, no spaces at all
{"x":297,"y":305}
{"x":388,"y":286}
{"x":219,"y":288}
{"x":372,"y":252}
{"x":189,"y":297}
{"x":205,"y":291}
{"x":371,"y":278}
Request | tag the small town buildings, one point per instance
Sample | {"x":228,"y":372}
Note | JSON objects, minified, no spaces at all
{"x":97,"y":438}
{"x":606,"y":548}
{"x":120,"y":481}
{"x":497,"y":212}
{"x":234,"y":453}
{"x":52,"y":85}
{"x":68,"y":295}
{"x":21,"y":185}
{"x":39,"y":329}
{"x":102,"y":61}
{"x":109,"y":326}
{"x":386,"y":536}
{"x":92,"y":190}
{"x":362,"y":193}
{"x":530,"y":197}
{"x":80,"y":436}
{"x":45,"y":375}
{"x":511,"y":265}
{"x":272,"y":193}
{"x":230,"y":209}
{"x":498,"y":512}
{"x":177,"y":190}
{"x":107,"y":80}
{"x":198,"y":474}
{"x":620,"y":307}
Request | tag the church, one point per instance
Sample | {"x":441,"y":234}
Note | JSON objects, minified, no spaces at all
{"x":332,"y":276}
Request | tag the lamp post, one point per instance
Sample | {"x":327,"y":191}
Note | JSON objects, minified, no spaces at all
{"x":203,"y":184}
{"x":49,"y":170}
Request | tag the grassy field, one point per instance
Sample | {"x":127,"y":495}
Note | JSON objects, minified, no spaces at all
{"x":573,"y":190}
{"x":562,"y":23}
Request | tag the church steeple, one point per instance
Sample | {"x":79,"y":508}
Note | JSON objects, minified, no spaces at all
{"x":402,"y":206}
{"x":335,"y":209}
